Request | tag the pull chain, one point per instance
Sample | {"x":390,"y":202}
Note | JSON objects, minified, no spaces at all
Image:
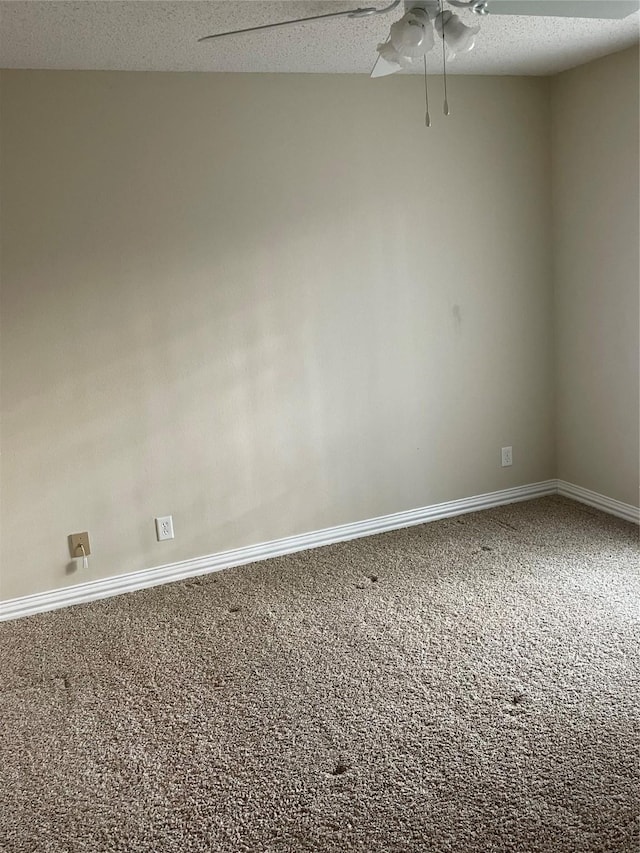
{"x":427,"y":117}
{"x":444,"y":62}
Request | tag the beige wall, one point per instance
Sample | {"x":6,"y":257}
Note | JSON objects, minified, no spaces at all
{"x":265,"y":305}
{"x":595,"y":183}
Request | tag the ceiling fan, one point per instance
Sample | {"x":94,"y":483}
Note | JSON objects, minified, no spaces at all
{"x":413,"y":35}
{"x":606,"y":9}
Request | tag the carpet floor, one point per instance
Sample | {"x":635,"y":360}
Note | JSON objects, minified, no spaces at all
{"x":467,"y":686}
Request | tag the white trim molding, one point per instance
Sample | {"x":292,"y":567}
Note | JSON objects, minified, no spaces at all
{"x":94,"y":590}
{"x":601,"y":502}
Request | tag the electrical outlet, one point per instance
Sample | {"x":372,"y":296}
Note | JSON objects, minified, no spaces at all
{"x":164,"y":528}
{"x":507,"y":456}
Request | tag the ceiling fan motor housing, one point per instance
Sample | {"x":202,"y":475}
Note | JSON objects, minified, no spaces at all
{"x":431,"y":7}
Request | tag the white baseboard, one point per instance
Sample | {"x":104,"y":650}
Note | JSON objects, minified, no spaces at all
{"x":93,"y":590}
{"x":594,"y":499}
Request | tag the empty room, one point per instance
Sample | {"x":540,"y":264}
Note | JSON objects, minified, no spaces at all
{"x":319,"y":426}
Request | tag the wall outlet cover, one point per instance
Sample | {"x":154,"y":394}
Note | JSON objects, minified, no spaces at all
{"x":507,"y":456}
{"x":164,"y":528}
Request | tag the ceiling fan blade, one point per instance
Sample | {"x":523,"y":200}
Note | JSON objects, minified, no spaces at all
{"x":347,"y":13}
{"x":280,"y":24}
{"x":564,"y":8}
{"x":383,"y":68}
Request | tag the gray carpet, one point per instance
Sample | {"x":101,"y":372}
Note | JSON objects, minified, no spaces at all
{"x":468,"y":685}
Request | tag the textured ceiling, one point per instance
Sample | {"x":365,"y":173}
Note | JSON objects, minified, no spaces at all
{"x":150,"y":35}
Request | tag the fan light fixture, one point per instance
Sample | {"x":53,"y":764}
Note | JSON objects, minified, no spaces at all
{"x":412,"y":36}
{"x":458,"y":36}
